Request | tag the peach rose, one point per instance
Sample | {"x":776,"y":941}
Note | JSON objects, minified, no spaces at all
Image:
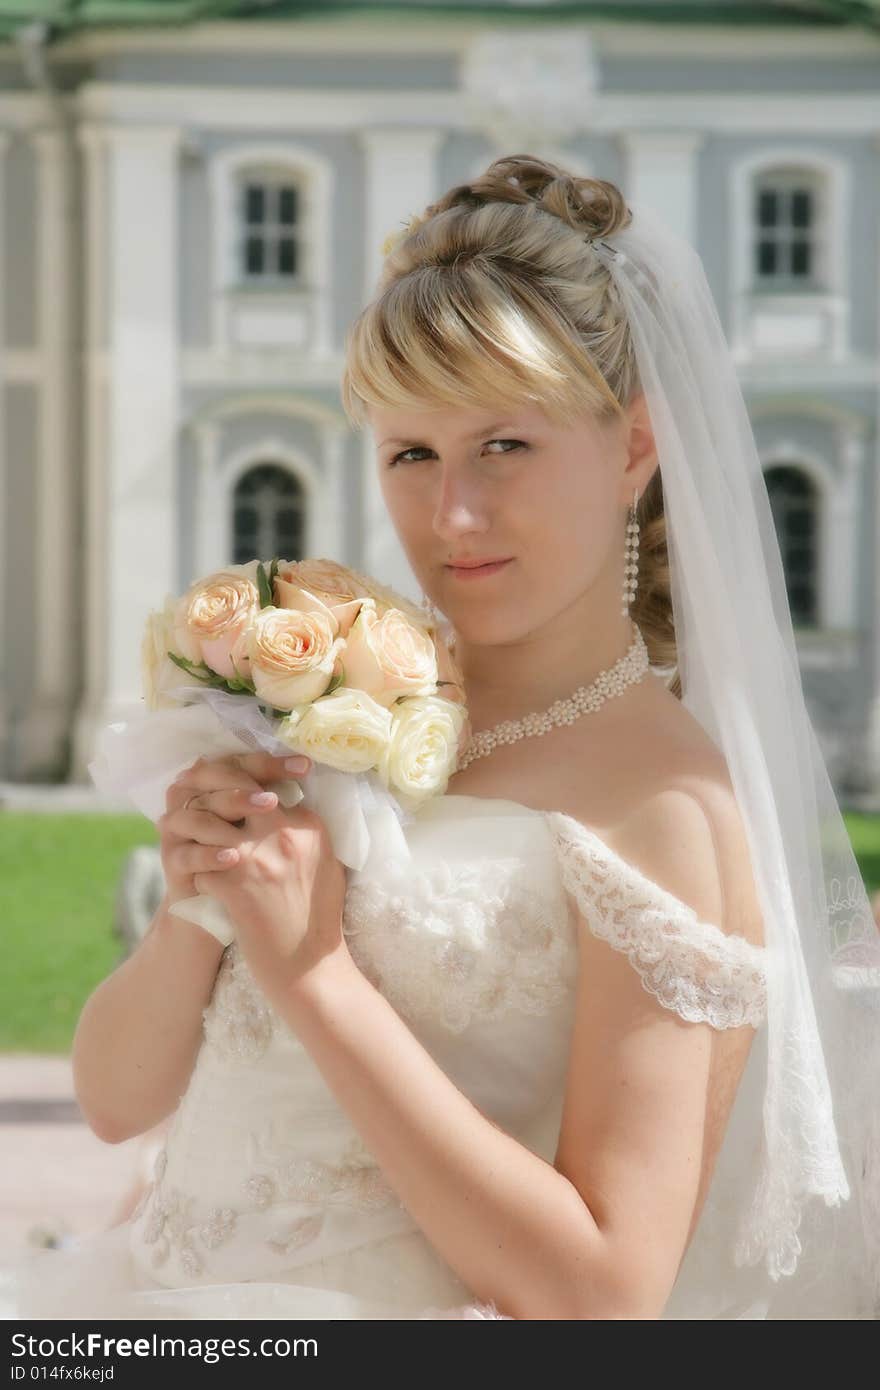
{"x":386,"y":597}
{"x":214,"y":614}
{"x":314,"y":586}
{"x":293,"y":656}
{"x":388,"y":657}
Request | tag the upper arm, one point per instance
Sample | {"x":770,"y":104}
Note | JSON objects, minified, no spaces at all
{"x":648,"y":1090}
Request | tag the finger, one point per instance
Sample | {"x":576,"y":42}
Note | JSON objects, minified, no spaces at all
{"x":191,"y":858}
{"x":204,"y":826}
{"x":205,"y":776}
{"x":269,"y":767}
{"x":231,"y":804}
{"x":209,"y":774}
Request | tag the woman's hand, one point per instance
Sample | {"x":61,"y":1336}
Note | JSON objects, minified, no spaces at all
{"x":205,"y":805}
{"x":285,"y":892}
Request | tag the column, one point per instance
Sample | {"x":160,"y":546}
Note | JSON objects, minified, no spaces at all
{"x":400,"y":180}
{"x":5,"y":752}
{"x":132,"y":506}
{"x":42,"y":733}
{"x":661,"y":170}
{"x":870,"y":775}
{"x":840,"y":553}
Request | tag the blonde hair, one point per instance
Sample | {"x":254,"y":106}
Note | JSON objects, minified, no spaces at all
{"x":494,"y":296}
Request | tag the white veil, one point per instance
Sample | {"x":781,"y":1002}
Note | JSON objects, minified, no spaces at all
{"x":740,"y":678}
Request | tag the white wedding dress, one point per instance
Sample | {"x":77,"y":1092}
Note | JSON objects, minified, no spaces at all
{"x":266,"y":1203}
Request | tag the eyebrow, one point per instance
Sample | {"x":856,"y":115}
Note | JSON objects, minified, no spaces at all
{"x":484,"y":429}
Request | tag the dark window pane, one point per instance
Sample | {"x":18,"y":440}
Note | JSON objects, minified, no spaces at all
{"x":800,"y":258}
{"x":287,"y":255}
{"x":799,"y":559}
{"x":766,"y":257}
{"x":801,"y":524}
{"x":768,"y":213}
{"x":254,"y":255}
{"x":268,"y":514}
{"x":794,"y":503}
{"x":800,"y":208}
{"x":287,"y":204}
{"x":802,"y":601}
{"x":255,"y":203}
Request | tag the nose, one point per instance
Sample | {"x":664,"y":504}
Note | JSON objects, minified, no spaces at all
{"x":460,"y":508}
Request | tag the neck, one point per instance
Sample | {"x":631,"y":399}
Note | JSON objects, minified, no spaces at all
{"x":509,"y":680}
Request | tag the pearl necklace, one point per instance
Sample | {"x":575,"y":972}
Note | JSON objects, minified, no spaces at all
{"x":627,"y":670}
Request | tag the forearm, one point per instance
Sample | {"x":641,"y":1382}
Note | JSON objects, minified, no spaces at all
{"x":140,"y":1030}
{"x":513,"y":1228}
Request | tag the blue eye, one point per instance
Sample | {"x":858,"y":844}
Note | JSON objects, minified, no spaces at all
{"x":420,"y":449}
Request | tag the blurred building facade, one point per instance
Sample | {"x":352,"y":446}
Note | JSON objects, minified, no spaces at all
{"x":192,"y":213}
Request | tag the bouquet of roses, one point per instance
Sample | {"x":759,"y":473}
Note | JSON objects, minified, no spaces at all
{"x":295,"y":657}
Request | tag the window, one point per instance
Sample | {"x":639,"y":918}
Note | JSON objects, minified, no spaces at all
{"x":269,"y":227}
{"x":794,"y":502}
{"x":268,"y":515}
{"x":785,"y":230}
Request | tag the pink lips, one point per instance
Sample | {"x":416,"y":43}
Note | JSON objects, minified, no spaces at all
{"x":475,"y":571}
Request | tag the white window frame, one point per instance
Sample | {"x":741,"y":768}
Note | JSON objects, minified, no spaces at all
{"x":820,"y":316}
{"x":270,"y":178}
{"x":310,"y":292}
{"x":783,"y":180}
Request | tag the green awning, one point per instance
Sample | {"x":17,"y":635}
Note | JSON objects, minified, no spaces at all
{"x":69,"y":17}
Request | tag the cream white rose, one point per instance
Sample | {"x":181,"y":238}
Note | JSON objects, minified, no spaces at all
{"x":159,"y":674}
{"x":346,"y":729}
{"x":388,"y":657}
{"x":293,"y":656}
{"x":423,"y":752}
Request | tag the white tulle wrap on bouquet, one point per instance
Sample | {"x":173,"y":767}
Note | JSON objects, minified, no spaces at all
{"x":138,"y":759}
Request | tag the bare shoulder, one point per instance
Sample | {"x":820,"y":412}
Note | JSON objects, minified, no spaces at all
{"x":683,"y":826}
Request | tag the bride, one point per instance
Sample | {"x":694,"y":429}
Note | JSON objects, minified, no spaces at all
{"x":605,"y":1048}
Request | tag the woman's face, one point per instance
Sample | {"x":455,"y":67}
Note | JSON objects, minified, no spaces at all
{"x":463,"y":483}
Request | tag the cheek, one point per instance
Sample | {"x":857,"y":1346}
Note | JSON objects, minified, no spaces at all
{"x":567,"y":526}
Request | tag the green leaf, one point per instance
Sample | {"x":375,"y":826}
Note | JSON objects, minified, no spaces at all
{"x":241,"y":682}
{"x":264,"y":586}
{"x":192,"y":668}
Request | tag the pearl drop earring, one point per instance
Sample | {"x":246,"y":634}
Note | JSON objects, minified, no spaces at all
{"x":631,"y":557}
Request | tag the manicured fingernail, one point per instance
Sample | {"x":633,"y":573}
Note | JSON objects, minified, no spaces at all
{"x":262,"y":798}
{"x":226,"y":856}
{"x":299,"y":764}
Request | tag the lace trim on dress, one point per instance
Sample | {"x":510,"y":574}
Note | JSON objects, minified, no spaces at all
{"x":692,"y":967}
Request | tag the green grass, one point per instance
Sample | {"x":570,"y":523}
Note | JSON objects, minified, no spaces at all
{"x":864,"y":834}
{"x":58,"y":878}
